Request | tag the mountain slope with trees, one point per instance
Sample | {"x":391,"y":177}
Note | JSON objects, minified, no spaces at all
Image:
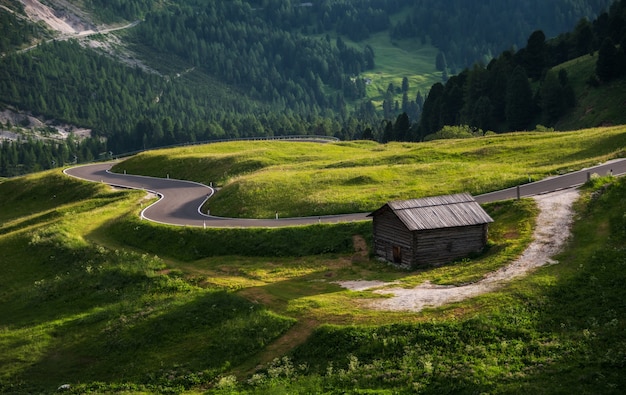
{"x":518,"y":90}
{"x":228,"y":69}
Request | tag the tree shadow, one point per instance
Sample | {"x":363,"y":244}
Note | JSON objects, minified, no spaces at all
{"x":159,"y":343}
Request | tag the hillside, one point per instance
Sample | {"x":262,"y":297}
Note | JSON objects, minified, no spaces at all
{"x":100,"y":301}
{"x":140,"y":74}
{"x":93,"y":299}
{"x":331,"y":178}
{"x":595,"y":106}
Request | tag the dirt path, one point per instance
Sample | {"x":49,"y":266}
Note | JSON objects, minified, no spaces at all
{"x":551,"y":232}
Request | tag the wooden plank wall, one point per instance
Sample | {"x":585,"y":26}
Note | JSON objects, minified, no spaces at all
{"x":389,"y":231}
{"x":439,"y":246}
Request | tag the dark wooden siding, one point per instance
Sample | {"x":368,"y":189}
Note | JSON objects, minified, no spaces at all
{"x":439,"y":246}
{"x":390,"y":232}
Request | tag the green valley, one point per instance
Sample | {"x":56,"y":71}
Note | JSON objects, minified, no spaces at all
{"x":413,"y":99}
{"x":104,"y":302}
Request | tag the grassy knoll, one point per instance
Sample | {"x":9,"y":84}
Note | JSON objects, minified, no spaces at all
{"x":188,"y":244}
{"x":76,"y":311}
{"x":360,"y":176}
{"x":93,"y":297}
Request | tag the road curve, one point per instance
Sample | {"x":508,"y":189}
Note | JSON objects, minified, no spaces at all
{"x":180,"y":201}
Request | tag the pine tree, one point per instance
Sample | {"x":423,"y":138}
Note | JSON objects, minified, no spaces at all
{"x":405,"y":85}
{"x":440,"y":62}
{"x":430,"y":121}
{"x":401,"y":127}
{"x":608,"y":61}
{"x":536,"y":55}
{"x":519,"y":101}
{"x":552,"y":99}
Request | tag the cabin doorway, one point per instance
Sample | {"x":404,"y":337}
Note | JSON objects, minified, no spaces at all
{"x":397,"y":254}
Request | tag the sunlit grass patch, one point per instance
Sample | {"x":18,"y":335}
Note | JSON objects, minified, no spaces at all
{"x":91,"y":295}
{"x":258,"y":179}
{"x":42,"y":191}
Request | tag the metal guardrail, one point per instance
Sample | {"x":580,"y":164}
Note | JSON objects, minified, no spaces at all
{"x":300,"y":137}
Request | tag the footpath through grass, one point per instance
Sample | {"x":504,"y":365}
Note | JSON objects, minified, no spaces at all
{"x":301,"y":179}
{"x":86,"y":301}
{"x":565,"y":321}
{"x":86,"y":304}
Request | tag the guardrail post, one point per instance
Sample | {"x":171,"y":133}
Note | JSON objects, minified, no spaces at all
{"x":518,"y":193}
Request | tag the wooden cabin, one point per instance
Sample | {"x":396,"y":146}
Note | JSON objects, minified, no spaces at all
{"x":429,"y":231}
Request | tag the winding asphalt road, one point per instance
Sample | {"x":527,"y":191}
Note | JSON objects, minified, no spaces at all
{"x":181,"y":200}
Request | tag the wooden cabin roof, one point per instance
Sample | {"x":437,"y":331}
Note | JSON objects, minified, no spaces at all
{"x":438,"y":212}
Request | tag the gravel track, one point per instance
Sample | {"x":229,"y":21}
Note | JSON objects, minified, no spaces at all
{"x":552,"y":231}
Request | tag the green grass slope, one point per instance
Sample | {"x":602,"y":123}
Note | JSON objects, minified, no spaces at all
{"x":76,"y":311}
{"x":80,"y":308}
{"x":361,"y":176}
{"x":600,"y":105}
{"x":93,"y":297}
{"x":396,"y":59}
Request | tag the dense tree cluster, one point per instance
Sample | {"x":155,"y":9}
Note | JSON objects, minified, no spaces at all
{"x":499,"y":97}
{"x":463,"y":30}
{"x":114,"y":10}
{"x":232,"y":41}
{"x":131,"y":109}
{"x":293,"y":67}
{"x":356,"y":19}
{"x":471,"y":31}
{"x":72,"y":84}
{"x":21,"y":157}
{"x":15,"y":31}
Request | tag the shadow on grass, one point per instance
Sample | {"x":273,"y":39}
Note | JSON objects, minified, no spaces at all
{"x":43,"y":192}
{"x":180,"y":341}
{"x":189,"y":244}
{"x":594,"y":148}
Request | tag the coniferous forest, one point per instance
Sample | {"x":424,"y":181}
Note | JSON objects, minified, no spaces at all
{"x":232,"y":69}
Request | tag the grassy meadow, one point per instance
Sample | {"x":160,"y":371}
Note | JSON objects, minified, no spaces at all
{"x":93,"y":297}
{"x":360,"y":176}
{"x":396,"y":59}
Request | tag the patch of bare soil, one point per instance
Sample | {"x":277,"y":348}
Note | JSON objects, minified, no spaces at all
{"x":295,"y":336}
{"x":70,"y":21}
{"x":25,"y":124}
{"x":361,"y":251}
{"x":62,"y":21}
{"x":551,"y":232}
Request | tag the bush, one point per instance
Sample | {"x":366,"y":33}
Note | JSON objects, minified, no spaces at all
{"x":455,"y":132}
